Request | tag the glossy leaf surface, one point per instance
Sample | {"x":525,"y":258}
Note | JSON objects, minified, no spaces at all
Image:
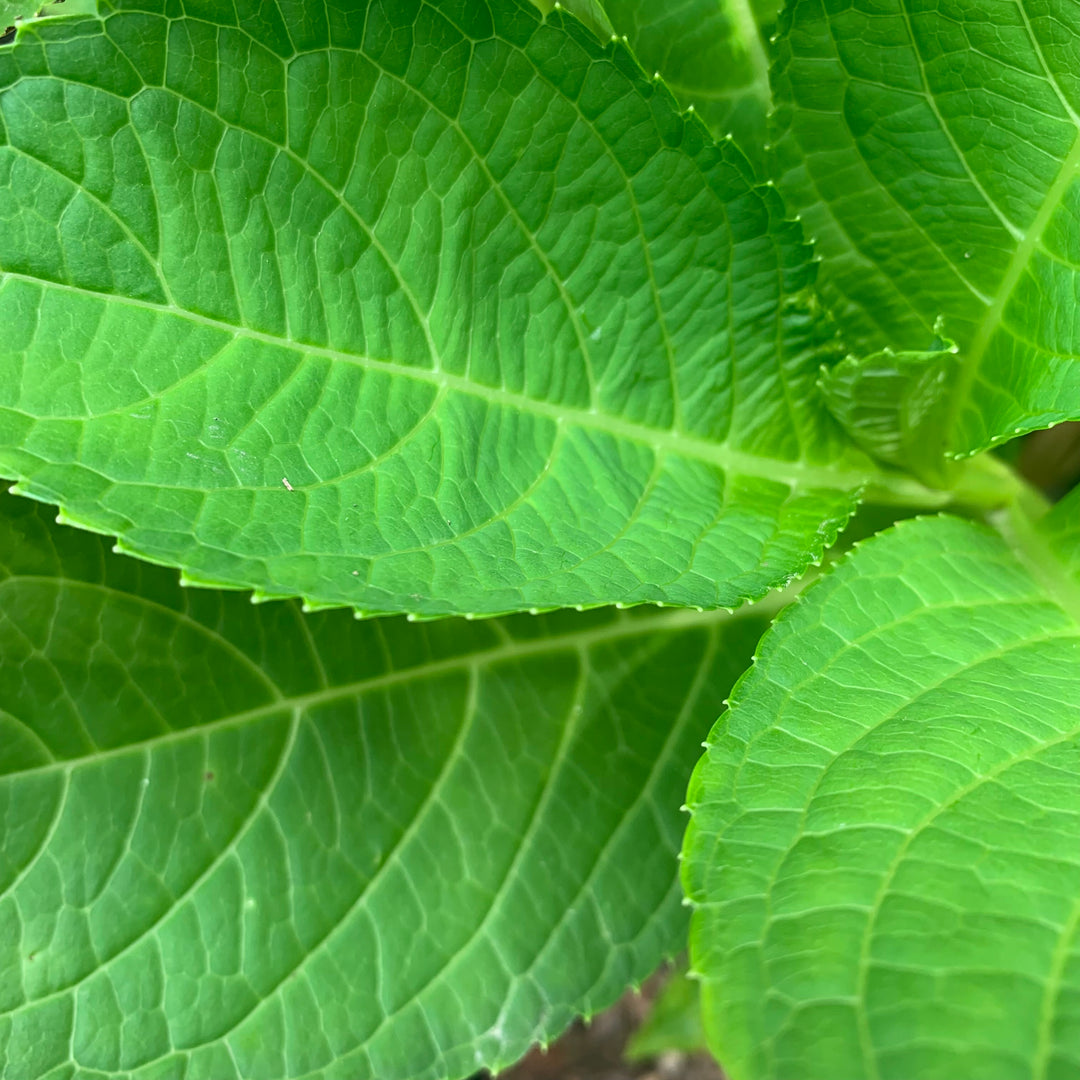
{"x":238,"y":843}
{"x":412,"y":307}
{"x":933,"y":151}
{"x":884,"y":845}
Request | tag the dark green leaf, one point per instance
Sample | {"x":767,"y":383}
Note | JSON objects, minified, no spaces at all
{"x":241,"y":843}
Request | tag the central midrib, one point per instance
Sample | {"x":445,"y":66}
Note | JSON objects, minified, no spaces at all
{"x":721,"y":455}
{"x":571,"y":641}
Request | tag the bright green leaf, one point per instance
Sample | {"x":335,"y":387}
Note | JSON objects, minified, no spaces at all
{"x":241,"y":842}
{"x":933,"y":151}
{"x":895,"y":406}
{"x":884,"y":844}
{"x":712,"y":55}
{"x":457,"y":315}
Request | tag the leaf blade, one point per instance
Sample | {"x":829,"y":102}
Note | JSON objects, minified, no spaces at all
{"x":713,"y":56}
{"x":325,"y":848}
{"x":401,"y":358}
{"x":903,"y":718}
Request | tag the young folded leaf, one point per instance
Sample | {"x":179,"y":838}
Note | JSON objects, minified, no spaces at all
{"x":933,"y":151}
{"x":711,"y":54}
{"x":895,"y":406}
{"x":242,"y":842}
{"x":883,"y":848}
{"x":430,"y":307}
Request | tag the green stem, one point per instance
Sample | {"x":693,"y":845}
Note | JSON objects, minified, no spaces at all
{"x":983,"y":483}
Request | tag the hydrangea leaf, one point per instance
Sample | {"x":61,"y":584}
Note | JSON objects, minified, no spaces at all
{"x":933,"y":152}
{"x":895,"y":406}
{"x":712,"y":54}
{"x":883,"y":847}
{"x":241,"y":843}
{"x":432,"y":307}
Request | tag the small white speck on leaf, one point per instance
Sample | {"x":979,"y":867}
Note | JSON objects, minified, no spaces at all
{"x":288,"y":486}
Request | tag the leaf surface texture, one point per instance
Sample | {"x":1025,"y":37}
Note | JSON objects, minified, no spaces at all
{"x":883,"y":848}
{"x":412,"y":307}
{"x":246,"y":843}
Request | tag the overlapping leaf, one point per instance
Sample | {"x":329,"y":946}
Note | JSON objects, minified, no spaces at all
{"x":428,"y":307}
{"x":933,"y":151}
{"x":240,"y":843}
{"x":712,"y":55}
{"x":885,"y":834}
{"x":896,"y":406}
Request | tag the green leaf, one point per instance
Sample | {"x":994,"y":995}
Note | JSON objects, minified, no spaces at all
{"x":456,"y":315}
{"x":883,"y":848}
{"x":895,"y":406}
{"x":241,"y":842}
{"x":590,"y":12}
{"x":673,"y":1024}
{"x":933,"y":152}
{"x":12,"y":12}
{"x":712,"y":54}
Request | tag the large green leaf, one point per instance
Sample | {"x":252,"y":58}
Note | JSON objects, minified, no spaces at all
{"x":885,"y":844}
{"x":238,"y":842}
{"x":455,"y":313}
{"x":933,"y":152}
{"x":712,"y":55}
